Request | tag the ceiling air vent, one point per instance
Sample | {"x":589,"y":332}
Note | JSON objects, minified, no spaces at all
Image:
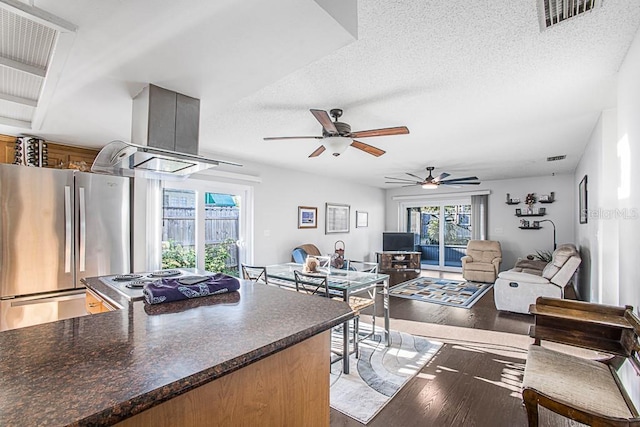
{"x":552,"y":12}
{"x":29,"y":36}
{"x":556,"y":158}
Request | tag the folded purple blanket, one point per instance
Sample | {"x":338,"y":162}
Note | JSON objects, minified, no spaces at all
{"x":171,"y":289}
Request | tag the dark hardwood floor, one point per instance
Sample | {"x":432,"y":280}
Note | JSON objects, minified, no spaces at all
{"x":468,"y":382}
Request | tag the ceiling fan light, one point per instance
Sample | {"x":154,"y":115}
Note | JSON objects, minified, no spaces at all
{"x":429,"y":186}
{"x":337,"y":144}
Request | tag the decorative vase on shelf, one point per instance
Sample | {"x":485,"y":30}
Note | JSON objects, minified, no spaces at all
{"x":530,"y":210}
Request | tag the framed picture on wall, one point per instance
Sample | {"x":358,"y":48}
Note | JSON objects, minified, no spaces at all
{"x":583,"y":203}
{"x":307,"y":217}
{"x":362,"y":219}
{"x":337,"y":218}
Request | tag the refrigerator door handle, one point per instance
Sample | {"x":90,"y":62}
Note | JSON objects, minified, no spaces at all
{"x":67,"y":229}
{"x":83,"y":228}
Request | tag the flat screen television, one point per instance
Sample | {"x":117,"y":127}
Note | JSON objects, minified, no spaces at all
{"x":398,"y":242}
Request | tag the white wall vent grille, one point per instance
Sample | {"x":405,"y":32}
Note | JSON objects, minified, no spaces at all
{"x":552,"y":12}
{"x":28,"y":39}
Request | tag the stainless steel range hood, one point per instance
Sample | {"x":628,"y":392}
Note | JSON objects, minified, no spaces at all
{"x":164,"y":132}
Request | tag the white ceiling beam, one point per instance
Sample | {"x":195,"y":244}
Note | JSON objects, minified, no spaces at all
{"x":21,"y":66}
{"x":14,"y":122}
{"x":39,"y":15}
{"x":19,"y":100}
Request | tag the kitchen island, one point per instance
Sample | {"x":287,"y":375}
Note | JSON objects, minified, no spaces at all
{"x":255,"y":357}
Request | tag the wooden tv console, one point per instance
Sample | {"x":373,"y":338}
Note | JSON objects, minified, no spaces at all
{"x":399,"y":265}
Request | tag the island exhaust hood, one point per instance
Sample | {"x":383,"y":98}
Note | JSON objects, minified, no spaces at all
{"x":164,"y":132}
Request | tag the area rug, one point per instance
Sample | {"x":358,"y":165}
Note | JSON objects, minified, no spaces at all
{"x":379,"y":373}
{"x":456,"y":293}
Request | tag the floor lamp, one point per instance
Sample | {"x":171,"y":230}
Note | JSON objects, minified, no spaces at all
{"x":554,"y":232}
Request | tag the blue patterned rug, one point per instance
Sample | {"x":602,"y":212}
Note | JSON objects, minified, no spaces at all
{"x":456,"y":293}
{"x":379,"y":373}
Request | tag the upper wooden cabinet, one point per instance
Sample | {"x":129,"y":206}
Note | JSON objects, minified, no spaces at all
{"x":7,"y":144}
{"x":60,"y":156}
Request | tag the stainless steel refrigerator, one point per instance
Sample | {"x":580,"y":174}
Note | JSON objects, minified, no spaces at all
{"x":56,"y":227}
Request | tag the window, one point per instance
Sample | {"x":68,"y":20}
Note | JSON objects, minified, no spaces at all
{"x":203,"y":226}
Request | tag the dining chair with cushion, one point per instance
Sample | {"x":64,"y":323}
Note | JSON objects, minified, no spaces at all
{"x":316,"y":284}
{"x":254,"y":273}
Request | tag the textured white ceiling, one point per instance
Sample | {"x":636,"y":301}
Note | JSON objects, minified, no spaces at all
{"x":481,"y":89}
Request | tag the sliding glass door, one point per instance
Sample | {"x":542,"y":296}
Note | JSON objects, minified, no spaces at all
{"x":444,"y":229}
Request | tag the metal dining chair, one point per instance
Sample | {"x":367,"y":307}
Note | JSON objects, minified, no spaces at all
{"x":316,"y":284}
{"x":364,"y":266}
{"x":312,"y":284}
{"x":254,"y":273}
{"x":370,"y":300}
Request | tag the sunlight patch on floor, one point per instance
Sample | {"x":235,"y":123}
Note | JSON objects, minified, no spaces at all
{"x":444,"y":368}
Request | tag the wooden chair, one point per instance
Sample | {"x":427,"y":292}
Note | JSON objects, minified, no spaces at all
{"x":585,"y":390}
{"x":254,"y":273}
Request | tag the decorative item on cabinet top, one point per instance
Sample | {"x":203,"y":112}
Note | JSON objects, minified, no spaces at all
{"x":30,"y":151}
{"x":45,"y":154}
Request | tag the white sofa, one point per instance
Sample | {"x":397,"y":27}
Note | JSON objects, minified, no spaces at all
{"x":519,"y":287}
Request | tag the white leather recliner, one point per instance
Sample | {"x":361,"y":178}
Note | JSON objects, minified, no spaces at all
{"x":519,"y":287}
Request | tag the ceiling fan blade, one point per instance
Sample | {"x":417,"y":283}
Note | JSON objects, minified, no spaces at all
{"x":368,"y":148}
{"x":410,"y":185}
{"x":440,"y":177}
{"x":468,"y":178}
{"x":318,"y":151}
{"x":459,"y":183}
{"x":400,"y":130}
{"x":401,"y":180}
{"x":270,"y":138}
{"x":416,"y":176}
{"x":324,"y":119}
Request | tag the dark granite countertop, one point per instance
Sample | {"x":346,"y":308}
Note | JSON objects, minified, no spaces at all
{"x":100,"y":369}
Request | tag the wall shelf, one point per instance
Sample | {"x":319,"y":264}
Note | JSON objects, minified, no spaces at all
{"x":529,"y":228}
{"x":510,"y":202}
{"x":533,"y":214}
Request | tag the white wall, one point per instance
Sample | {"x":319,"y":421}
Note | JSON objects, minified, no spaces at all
{"x":597,"y":240}
{"x":609,"y":241}
{"x":503,"y":224}
{"x":277,"y":193}
{"x":277,"y":199}
{"x":629,"y":173}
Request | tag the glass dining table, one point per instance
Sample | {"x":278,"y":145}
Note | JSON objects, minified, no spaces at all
{"x":345,"y":282}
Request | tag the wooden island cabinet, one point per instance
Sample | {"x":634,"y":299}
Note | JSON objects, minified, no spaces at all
{"x":257,"y":356}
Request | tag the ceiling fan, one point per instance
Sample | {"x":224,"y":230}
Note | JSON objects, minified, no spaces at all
{"x":431,"y":182}
{"x":338,"y":136}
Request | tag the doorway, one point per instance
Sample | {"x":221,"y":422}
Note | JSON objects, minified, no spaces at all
{"x":204,"y":225}
{"x":444,"y":229}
